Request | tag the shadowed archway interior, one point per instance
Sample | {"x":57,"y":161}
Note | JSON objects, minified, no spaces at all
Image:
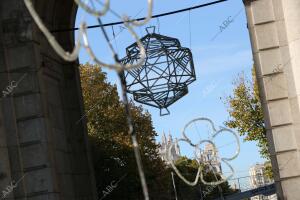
{"x":44,"y":149}
{"x":41,"y":143}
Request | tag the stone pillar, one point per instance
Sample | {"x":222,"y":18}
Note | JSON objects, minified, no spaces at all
{"x":39,"y":136}
{"x":274,"y":27}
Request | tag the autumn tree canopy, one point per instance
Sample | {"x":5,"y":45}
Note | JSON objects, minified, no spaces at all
{"x":246,"y":113}
{"x":111,"y":146}
{"x":113,"y":158}
{"x":188,"y":168}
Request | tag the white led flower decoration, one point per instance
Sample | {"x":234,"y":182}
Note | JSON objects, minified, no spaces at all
{"x":196,"y":146}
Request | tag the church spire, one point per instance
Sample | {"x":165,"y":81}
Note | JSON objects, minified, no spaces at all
{"x":177,"y":148}
{"x":165,"y":147}
{"x":163,"y":138}
{"x":170,"y":139}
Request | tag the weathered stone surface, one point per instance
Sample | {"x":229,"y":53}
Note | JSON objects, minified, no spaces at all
{"x":5,"y":177}
{"x":291,"y":188}
{"x":271,"y":60}
{"x":284,"y":139}
{"x":266,"y":36}
{"x":275,"y":42}
{"x":38,"y":119}
{"x":280,"y":113}
{"x":28,"y":106}
{"x":32,"y":130}
{"x":39,"y":181}
{"x":263,"y":11}
{"x":275,"y":87}
{"x":35,"y":155}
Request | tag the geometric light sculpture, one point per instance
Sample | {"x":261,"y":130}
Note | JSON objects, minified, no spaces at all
{"x":165,"y":75}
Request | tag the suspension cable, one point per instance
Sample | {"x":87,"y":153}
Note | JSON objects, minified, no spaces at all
{"x":143,"y":18}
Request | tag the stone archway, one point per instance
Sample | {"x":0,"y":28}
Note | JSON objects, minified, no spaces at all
{"x":274,"y":27}
{"x":39,"y":134}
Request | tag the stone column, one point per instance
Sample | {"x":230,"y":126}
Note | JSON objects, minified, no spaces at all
{"x":39,"y":134}
{"x":274,"y":27}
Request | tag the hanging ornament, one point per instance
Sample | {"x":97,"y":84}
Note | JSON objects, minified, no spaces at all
{"x":164,"y":76}
{"x":215,"y":132}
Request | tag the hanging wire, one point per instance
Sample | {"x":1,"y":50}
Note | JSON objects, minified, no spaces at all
{"x":104,"y":32}
{"x":109,"y":9}
{"x":116,"y":66}
{"x":114,"y":35}
{"x":94,"y":11}
{"x":133,"y":135}
{"x":190,"y":29}
{"x":225,"y":145}
{"x":140,"y":29}
{"x":197,"y":131}
{"x":83,"y":35}
{"x":124,"y":28}
{"x":174,"y":186}
{"x":131,"y":131}
{"x":143,"y":18}
{"x":158,"y":25}
{"x":219,"y":187}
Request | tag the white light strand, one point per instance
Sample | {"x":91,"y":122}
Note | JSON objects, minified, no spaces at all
{"x":93,"y":11}
{"x":72,"y":56}
{"x":197,"y":148}
{"x":146,"y":20}
{"x":119,"y":67}
{"x":171,"y":161}
{"x":55,"y":45}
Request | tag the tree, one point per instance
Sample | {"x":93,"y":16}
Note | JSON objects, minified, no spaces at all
{"x":246,"y":113}
{"x":188,"y":169}
{"x":111,"y":145}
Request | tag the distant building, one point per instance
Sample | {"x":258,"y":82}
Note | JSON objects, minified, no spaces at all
{"x":210,"y":157}
{"x":165,"y":145}
{"x":259,"y":179}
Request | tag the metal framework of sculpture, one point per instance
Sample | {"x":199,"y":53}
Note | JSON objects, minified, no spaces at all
{"x":164,"y":76}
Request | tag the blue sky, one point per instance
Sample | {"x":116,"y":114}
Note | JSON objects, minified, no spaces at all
{"x":217,"y":62}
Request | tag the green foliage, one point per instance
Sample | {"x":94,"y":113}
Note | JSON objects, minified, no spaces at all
{"x":112,"y":151}
{"x":246,"y":113}
{"x":189,"y":169}
{"x":111,"y":144}
{"x":268,"y":170}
